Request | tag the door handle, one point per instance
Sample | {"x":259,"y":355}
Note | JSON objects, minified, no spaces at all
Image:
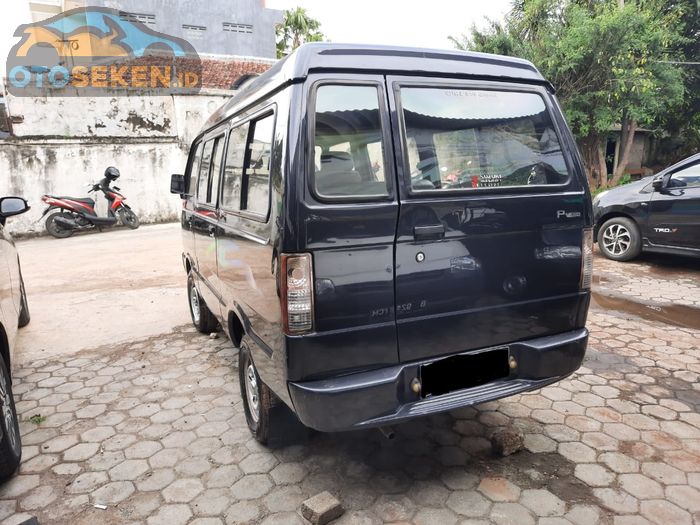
{"x":436,"y":231}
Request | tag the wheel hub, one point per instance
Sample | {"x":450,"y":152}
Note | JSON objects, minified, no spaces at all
{"x":251,"y":390}
{"x":616,"y":239}
{"x":194,"y":304}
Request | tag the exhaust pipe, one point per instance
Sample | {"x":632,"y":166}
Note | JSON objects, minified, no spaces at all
{"x":387,"y":432}
{"x":66,"y":223}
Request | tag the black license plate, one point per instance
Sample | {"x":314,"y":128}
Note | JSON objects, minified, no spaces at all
{"x":464,"y":371}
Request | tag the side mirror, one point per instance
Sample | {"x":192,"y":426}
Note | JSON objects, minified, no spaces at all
{"x":662,"y":182}
{"x":10,"y":206}
{"x":177,"y":184}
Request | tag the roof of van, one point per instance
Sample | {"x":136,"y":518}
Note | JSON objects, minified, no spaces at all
{"x":331,"y":57}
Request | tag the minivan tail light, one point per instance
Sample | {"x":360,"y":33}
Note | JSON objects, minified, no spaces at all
{"x":297,"y":293}
{"x":587,"y":259}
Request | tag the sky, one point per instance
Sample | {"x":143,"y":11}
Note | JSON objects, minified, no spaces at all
{"x":392,"y":22}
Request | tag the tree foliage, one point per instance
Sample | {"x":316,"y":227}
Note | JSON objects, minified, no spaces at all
{"x":298,"y":27}
{"x":613,"y":64}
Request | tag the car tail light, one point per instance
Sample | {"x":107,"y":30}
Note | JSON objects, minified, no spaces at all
{"x":587,"y":259}
{"x":297,"y":293}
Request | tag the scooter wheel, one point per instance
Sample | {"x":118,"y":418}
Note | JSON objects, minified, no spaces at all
{"x":129,"y":218}
{"x":55,"y":229}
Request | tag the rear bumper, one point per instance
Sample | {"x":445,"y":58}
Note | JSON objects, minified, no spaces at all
{"x":383,"y":396}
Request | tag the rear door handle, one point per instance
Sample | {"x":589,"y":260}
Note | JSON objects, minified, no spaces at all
{"x":436,"y":231}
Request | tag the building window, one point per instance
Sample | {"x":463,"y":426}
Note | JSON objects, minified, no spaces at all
{"x":237,"y":28}
{"x":137,"y":17}
{"x":194,"y":31}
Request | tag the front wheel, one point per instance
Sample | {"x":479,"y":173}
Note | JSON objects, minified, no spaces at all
{"x":128,"y":218}
{"x":57,"y":230}
{"x":202,"y":318}
{"x":619,"y":239}
{"x":10,"y":446}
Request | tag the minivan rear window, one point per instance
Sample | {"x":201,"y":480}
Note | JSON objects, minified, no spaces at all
{"x":349,"y":146}
{"x":470,"y":138}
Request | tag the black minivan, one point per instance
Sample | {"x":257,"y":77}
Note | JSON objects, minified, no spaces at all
{"x":387,"y":233}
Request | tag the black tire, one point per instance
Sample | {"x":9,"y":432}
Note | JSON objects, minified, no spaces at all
{"x":128,"y":218}
{"x":270,"y":421}
{"x":56,"y":230}
{"x":10,"y":444}
{"x":619,"y":239}
{"x":24,"y":316}
{"x":202,"y":318}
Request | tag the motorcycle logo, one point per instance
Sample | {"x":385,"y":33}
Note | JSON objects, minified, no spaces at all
{"x":99,"y":51}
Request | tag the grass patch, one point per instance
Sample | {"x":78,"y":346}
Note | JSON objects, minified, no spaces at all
{"x":37,"y":419}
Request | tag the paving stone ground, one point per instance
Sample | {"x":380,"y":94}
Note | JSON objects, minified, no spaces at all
{"x":154,"y":429}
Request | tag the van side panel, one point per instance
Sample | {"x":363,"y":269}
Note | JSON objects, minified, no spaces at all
{"x":248,"y":263}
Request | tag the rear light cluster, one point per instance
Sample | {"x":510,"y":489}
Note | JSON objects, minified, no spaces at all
{"x":297,"y":293}
{"x":587,"y":259}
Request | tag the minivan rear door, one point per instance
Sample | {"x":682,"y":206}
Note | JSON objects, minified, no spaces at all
{"x":488,"y":246}
{"x":347,"y":221}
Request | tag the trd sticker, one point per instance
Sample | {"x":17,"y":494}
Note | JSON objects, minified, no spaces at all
{"x":665,"y":230}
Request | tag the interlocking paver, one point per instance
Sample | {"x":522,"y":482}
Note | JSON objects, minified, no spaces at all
{"x":155,"y":429}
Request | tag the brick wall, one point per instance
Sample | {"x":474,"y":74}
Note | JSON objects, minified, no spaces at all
{"x":223,"y":73}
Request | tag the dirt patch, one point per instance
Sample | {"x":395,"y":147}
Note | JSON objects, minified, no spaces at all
{"x":546,"y":470}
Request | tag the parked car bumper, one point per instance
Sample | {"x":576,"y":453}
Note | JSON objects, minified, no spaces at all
{"x":384,"y":396}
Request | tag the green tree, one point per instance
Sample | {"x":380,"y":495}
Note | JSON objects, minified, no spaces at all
{"x":298,"y":27}
{"x":613,"y":63}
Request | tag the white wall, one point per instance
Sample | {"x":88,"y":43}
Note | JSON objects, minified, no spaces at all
{"x":36,"y":168}
{"x":64,"y":144}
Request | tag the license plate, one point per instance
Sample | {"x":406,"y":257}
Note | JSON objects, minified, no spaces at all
{"x":464,"y":371}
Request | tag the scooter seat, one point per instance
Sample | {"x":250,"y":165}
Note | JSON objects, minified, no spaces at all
{"x":89,"y":202}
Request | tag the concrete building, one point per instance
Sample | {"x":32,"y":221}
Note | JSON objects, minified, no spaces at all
{"x":243,"y":28}
{"x":55,"y":144}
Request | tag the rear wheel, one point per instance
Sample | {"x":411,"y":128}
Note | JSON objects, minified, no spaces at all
{"x":57,"y":230}
{"x":202,"y":318}
{"x":10,"y":446}
{"x":619,"y":239}
{"x":270,"y":421}
{"x":129,"y":218}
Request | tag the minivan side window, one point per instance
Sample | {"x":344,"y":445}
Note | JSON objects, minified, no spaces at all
{"x":256,"y":180}
{"x":194,"y":170}
{"x":349,"y":149}
{"x":216,"y":170}
{"x":203,"y":183}
{"x":473,"y":138}
{"x":233,"y":170}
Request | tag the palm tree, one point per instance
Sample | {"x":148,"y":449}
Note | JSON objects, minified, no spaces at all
{"x":298,"y":27}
